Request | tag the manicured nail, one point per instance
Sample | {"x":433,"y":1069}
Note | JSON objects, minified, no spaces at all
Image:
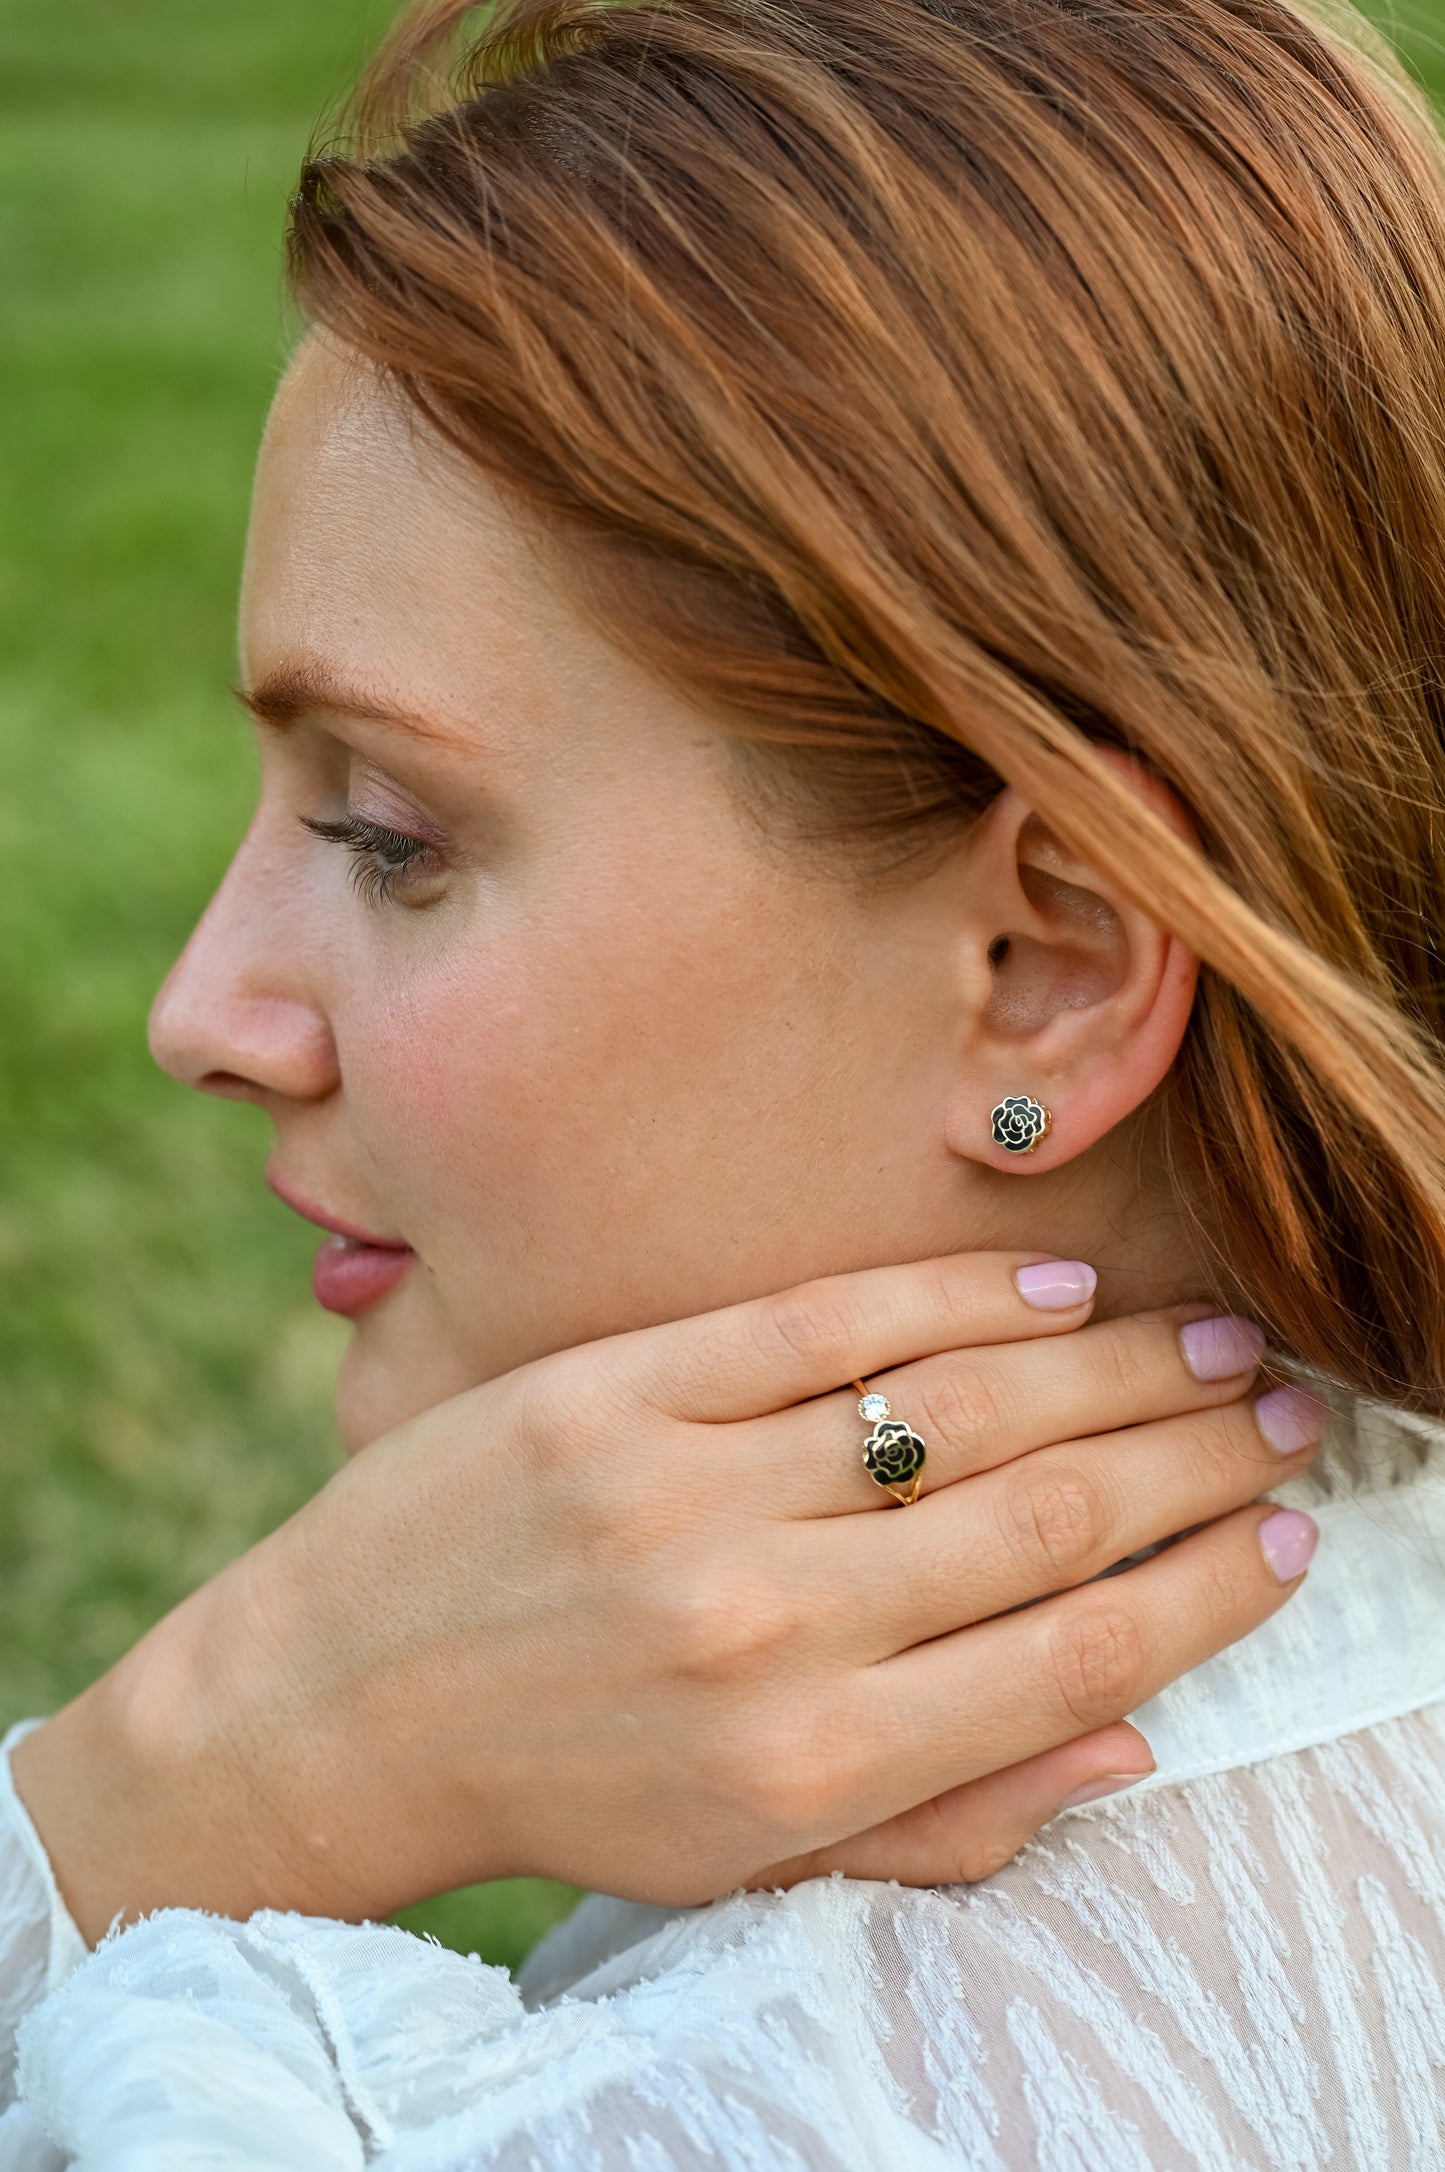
{"x":1096,"y":1790}
{"x":1291,"y":1419}
{"x":1221,"y":1348}
{"x":1289,"y":1538}
{"x":1056,"y":1284}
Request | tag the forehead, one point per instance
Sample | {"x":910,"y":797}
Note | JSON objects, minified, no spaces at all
{"x":375,"y":551}
{"x":380,"y":560}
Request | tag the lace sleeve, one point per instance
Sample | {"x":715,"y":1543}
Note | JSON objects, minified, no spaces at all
{"x":1242,"y":1971}
{"x":39,"y":1945}
{"x":288,"y":2044}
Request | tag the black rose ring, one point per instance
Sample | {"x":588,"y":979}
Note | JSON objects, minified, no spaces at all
{"x":1019,"y":1122}
{"x":893,"y":1454}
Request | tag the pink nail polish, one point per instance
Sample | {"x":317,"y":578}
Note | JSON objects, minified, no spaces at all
{"x":1055,"y":1285}
{"x":1291,"y":1419}
{"x":1095,"y":1790}
{"x":1289,"y":1538}
{"x":1221,"y":1348}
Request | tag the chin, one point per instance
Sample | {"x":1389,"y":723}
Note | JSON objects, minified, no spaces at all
{"x":385,"y":1380}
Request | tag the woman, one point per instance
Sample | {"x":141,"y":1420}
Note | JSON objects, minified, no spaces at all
{"x":858,"y":586}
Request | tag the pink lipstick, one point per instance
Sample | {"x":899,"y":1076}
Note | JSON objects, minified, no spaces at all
{"x":348,"y":1277}
{"x":353,"y":1270}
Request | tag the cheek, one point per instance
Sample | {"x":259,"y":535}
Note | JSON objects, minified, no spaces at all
{"x":614,"y":1119}
{"x":564,"y":1067}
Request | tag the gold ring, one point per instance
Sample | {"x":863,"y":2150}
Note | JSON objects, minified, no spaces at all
{"x":893,"y":1454}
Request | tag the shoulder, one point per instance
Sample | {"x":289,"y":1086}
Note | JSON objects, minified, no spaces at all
{"x":1236,"y":1970}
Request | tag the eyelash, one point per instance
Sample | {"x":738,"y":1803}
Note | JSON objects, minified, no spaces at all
{"x":381,"y":857}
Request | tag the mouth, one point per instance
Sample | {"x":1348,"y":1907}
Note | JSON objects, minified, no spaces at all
{"x":353,"y":1269}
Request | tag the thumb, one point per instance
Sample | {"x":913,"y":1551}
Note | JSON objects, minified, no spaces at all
{"x":972,"y":1831}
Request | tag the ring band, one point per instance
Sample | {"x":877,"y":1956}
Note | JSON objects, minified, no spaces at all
{"x":893,"y":1454}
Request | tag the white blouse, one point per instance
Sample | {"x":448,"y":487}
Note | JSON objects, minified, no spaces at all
{"x":1238,"y":1965}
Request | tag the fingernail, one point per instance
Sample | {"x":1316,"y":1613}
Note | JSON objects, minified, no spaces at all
{"x":1289,"y":1538}
{"x":1291,"y":1419}
{"x":1095,"y":1791}
{"x":1056,"y":1284}
{"x":1221,"y":1348}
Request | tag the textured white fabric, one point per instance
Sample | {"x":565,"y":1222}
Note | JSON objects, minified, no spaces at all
{"x":39,"y":1946}
{"x":1239,"y":1965}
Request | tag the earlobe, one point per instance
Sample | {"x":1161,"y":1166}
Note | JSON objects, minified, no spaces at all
{"x":1078,"y":1001}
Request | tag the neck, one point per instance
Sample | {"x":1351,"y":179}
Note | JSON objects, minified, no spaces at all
{"x":1119,"y":1208}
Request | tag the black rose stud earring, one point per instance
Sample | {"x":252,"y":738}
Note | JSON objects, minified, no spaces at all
{"x":1019,"y":1122}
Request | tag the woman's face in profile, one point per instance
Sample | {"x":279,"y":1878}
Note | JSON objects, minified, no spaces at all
{"x":548,"y":1007}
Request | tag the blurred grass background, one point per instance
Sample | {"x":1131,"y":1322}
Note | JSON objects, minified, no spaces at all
{"x":165,"y":1378}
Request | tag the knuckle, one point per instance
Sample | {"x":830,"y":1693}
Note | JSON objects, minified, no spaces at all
{"x":948,"y":1288}
{"x":1056,"y":1522}
{"x":1126,"y":1359}
{"x":720,"y":1631}
{"x":968,"y":1407}
{"x":982,"y":1855}
{"x":811,"y":1322}
{"x":556,"y":1411}
{"x":1098,"y":1661}
{"x":1227,"y":1590}
{"x":799,"y":1780}
{"x":1220,"y":1444}
{"x":597,"y":1505}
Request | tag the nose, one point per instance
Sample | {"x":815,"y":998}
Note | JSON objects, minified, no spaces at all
{"x":238,"y":1014}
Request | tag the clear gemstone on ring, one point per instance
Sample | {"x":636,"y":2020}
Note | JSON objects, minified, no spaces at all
{"x":874,"y":1408}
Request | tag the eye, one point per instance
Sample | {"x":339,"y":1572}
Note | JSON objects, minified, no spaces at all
{"x":382,"y":858}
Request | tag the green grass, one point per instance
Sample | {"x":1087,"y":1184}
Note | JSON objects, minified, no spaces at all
{"x":165,"y":1378}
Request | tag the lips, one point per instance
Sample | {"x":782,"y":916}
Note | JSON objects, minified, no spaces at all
{"x":353,"y":1270}
{"x":348,"y":1277}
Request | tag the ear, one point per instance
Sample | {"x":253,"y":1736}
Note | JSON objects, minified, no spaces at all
{"x":1073,"y":996}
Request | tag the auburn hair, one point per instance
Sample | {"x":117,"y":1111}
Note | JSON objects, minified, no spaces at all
{"x":951,"y":388}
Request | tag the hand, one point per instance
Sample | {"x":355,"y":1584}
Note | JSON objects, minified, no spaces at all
{"x":636,"y":1617}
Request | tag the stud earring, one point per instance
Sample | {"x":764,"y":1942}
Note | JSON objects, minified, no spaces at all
{"x":1019,"y":1122}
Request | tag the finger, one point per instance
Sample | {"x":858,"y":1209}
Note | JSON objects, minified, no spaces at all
{"x":775,"y":1351}
{"x":973,"y":1830}
{"x":947,"y":1712}
{"x":1054,"y":1519}
{"x":980,"y":1407}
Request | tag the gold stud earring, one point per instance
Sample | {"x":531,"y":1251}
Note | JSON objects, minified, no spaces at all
{"x":1019,"y":1122}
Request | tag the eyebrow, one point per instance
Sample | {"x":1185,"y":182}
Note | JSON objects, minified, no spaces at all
{"x":304,"y":686}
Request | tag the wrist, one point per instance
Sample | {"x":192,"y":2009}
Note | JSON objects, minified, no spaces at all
{"x":150,"y":1789}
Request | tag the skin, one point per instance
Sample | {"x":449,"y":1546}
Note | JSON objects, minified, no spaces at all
{"x":611,"y":1055}
{"x":615,"y":1056}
